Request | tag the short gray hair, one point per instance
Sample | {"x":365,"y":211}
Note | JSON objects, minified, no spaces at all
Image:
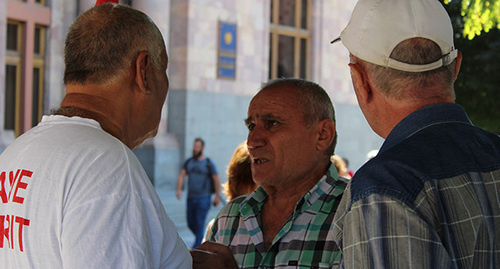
{"x":393,"y":82}
{"x":105,"y":40}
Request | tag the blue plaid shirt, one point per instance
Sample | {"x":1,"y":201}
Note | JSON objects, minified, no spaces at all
{"x":429,"y":199}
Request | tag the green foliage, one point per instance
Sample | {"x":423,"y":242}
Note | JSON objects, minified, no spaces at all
{"x":479,"y":16}
{"x":478,"y":84}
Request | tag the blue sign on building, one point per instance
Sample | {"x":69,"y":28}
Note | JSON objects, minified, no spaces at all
{"x":227,"y":50}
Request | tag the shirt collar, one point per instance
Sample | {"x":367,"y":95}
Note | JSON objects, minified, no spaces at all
{"x":254,"y":201}
{"x":423,"y":118}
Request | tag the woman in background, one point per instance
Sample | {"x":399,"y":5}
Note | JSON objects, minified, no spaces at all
{"x":239,"y":177}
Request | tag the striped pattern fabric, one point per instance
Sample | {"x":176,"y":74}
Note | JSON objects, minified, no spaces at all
{"x":304,"y":241}
{"x":429,"y":199}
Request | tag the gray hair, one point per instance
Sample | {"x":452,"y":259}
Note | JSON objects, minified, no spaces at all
{"x":106,"y":40}
{"x":434,"y":84}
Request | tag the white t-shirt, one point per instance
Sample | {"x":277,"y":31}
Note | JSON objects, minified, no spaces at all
{"x":73,"y":196}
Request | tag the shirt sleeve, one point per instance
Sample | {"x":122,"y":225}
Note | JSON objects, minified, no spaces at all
{"x":382,"y":232}
{"x":213,"y":167}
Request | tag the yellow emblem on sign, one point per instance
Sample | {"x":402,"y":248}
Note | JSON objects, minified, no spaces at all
{"x":228,"y":38}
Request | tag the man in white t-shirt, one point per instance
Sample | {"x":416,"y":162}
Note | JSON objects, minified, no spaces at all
{"x":72,"y":193}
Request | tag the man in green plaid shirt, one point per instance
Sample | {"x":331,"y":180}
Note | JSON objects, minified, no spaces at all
{"x":287,"y":221}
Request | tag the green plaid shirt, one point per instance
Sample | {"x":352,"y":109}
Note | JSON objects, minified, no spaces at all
{"x":304,"y":241}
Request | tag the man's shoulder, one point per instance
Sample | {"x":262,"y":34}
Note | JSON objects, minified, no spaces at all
{"x":392,"y":173}
{"x":245,"y":203}
{"x":433,"y":153}
{"x":186,"y":162}
{"x":231,"y":209}
{"x":210,"y":161}
{"x":205,"y":159}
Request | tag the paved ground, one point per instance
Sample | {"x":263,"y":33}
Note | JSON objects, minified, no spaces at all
{"x":176,"y":210}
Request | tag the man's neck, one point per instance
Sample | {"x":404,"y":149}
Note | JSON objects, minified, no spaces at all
{"x":282,"y":200}
{"x":275,"y":212}
{"x":92,"y":107}
{"x":199,"y":158}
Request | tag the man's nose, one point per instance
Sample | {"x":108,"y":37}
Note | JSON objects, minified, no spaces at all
{"x":256,"y":138}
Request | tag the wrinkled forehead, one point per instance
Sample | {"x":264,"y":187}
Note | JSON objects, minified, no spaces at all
{"x":273,"y":97}
{"x":277,"y":101}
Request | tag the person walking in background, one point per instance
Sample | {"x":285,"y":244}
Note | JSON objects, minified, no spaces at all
{"x":203,"y":181}
{"x":430,"y":197}
{"x":287,"y":221}
{"x":72,"y":192}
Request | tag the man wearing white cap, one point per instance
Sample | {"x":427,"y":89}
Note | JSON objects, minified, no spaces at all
{"x":431,"y":196}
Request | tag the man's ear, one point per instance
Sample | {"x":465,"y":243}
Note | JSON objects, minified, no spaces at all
{"x":142,"y":64}
{"x":458,"y":62}
{"x":326,"y":134}
{"x":361,"y":84}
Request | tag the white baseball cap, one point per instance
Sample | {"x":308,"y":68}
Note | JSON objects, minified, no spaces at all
{"x":377,"y":26}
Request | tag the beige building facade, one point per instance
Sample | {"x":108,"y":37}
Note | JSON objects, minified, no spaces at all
{"x":220,"y":52}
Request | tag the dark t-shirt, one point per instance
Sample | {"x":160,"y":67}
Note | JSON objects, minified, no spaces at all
{"x":199,"y":177}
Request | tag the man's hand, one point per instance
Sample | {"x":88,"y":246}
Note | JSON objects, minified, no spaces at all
{"x":213,"y":255}
{"x":216,"y":200}
{"x":179,"y":194}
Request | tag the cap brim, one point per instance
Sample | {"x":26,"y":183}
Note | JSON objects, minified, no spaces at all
{"x":335,"y":40}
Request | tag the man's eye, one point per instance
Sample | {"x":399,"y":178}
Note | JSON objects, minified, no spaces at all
{"x":251,"y":126}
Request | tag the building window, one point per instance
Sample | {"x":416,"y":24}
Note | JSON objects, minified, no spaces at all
{"x":26,"y":38}
{"x":11,"y":90}
{"x":12,"y":75}
{"x":289,"y":37}
{"x":38,"y":64}
{"x":13,"y":36}
{"x":15,"y":106}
